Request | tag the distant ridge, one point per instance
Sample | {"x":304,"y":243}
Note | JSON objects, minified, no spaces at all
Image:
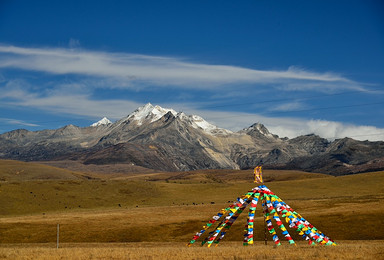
{"x":162,"y":139}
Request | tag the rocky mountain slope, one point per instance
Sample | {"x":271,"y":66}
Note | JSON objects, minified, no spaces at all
{"x":163,"y":139}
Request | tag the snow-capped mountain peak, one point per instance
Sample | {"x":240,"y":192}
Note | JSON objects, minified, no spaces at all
{"x":103,"y":121}
{"x":150,"y":112}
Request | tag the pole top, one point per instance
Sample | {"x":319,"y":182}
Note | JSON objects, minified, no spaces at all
{"x":258,"y":174}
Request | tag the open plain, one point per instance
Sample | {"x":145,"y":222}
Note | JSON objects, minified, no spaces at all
{"x":154,"y":215}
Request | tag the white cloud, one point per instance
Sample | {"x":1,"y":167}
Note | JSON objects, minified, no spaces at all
{"x":334,"y":130}
{"x":158,"y":71}
{"x":133,"y":71}
{"x":288,"y":106}
{"x":67,"y":102}
{"x":330,"y":130}
{"x":290,"y":127}
{"x":12,"y":121}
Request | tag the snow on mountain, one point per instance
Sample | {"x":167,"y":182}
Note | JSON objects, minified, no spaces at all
{"x":150,"y":112}
{"x":199,"y":122}
{"x":103,"y":121}
{"x":154,"y":113}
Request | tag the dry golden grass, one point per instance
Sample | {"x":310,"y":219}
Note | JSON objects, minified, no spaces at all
{"x":158,"y":213}
{"x":346,"y":250}
{"x":11,"y":170}
{"x":31,"y":188}
{"x":342,"y":207}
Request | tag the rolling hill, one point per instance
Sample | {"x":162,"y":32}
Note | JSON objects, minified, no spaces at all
{"x":171,"y":206}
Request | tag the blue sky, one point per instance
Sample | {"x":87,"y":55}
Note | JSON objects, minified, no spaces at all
{"x":298,"y":67}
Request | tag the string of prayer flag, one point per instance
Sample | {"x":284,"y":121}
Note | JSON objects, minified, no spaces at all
{"x":275,"y":210}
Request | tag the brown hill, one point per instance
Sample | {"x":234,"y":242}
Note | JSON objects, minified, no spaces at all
{"x":11,"y":170}
{"x":165,"y":207}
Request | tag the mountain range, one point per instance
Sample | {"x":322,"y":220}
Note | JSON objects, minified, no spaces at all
{"x":163,"y":139}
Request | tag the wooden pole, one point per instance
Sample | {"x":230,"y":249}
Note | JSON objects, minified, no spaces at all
{"x":58,"y":236}
{"x":264,"y":211}
{"x":265,"y":230}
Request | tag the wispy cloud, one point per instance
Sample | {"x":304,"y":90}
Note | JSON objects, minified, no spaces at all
{"x":288,"y":126}
{"x":66,"y":102}
{"x":157,"y":70}
{"x":12,"y":121}
{"x":334,"y":130}
{"x":106,"y":70}
{"x":291,"y":106}
{"x":293,"y":127}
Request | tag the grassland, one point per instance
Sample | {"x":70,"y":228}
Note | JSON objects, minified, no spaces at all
{"x":161,"y":211}
{"x":231,"y":250}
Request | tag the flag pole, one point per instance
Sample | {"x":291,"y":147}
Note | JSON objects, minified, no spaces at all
{"x":258,"y":178}
{"x":265,"y":205}
{"x":58,"y":235}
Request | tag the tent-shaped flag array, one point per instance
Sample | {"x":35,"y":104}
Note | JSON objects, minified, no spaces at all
{"x":274,"y":209}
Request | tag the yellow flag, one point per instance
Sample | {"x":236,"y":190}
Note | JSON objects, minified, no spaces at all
{"x":258,"y":171}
